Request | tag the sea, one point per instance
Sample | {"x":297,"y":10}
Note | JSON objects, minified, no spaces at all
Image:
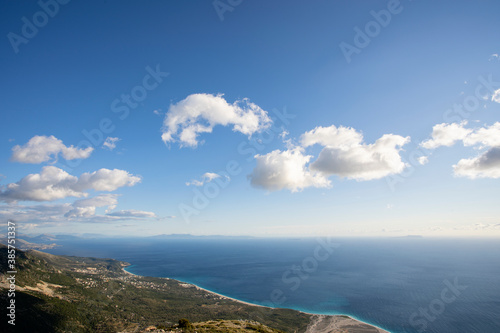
{"x":406,"y":284}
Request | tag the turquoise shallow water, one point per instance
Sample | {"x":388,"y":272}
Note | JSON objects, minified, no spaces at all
{"x":400,"y":284}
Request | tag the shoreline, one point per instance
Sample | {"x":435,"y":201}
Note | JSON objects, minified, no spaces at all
{"x":200,"y":288}
{"x":258,"y":305}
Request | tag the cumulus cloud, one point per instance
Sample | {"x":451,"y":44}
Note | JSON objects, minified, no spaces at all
{"x":446,"y":135}
{"x":363,"y":161}
{"x":107,"y":180}
{"x":110,"y":143}
{"x":496,"y":96}
{"x":494,"y":57}
{"x":41,"y":148}
{"x":205,"y":178}
{"x":287,"y":169}
{"x":488,"y":136}
{"x":344,"y":155}
{"x":50,"y":184}
{"x":332,"y":136}
{"x":53,"y":183}
{"x":200,"y":113}
{"x":449,"y":134}
{"x":87,"y":207}
{"x":132,"y":214}
{"x":486,"y":165}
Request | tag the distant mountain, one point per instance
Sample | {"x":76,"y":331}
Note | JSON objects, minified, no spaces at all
{"x":43,"y":238}
{"x":23,"y":244}
{"x":189,"y":236}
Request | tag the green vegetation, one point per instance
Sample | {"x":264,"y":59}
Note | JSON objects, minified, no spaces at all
{"x":185,"y":324}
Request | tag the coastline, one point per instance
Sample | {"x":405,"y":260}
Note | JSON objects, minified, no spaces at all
{"x":200,"y":288}
{"x":318,"y":317}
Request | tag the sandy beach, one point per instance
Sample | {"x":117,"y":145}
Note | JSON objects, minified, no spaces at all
{"x":318,"y":324}
{"x":127,"y":272}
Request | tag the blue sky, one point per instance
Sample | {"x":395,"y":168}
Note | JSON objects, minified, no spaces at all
{"x":400,"y":136}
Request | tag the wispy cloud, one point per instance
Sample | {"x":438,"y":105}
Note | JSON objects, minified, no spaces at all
{"x":205,"y":178}
{"x":110,"y":143}
{"x":496,"y":96}
{"x":132,"y":213}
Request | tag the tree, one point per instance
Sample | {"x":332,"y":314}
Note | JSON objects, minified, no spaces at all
{"x":184,"y":323}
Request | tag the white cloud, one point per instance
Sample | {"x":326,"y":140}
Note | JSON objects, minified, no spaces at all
{"x":363,"y":161}
{"x":344,"y":154}
{"x":42,"y":148}
{"x":107,"y":180}
{"x":50,"y":184}
{"x":341,"y":137}
{"x":487,"y":136}
{"x":494,"y":57}
{"x":132,"y":214}
{"x":205,"y":178}
{"x":87,"y":207}
{"x":157,"y":112}
{"x":423,"y":160}
{"x":486,"y":165}
{"x":102,"y":200}
{"x":53,"y":183}
{"x":199,"y":113}
{"x":287,"y":169}
{"x":81,"y":211}
{"x":496,"y":96}
{"x":35,"y":213}
{"x":449,"y":134}
{"x":446,"y":135}
{"x":110,"y":143}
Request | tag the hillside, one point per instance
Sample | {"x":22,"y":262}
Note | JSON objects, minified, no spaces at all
{"x":74,"y":294}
